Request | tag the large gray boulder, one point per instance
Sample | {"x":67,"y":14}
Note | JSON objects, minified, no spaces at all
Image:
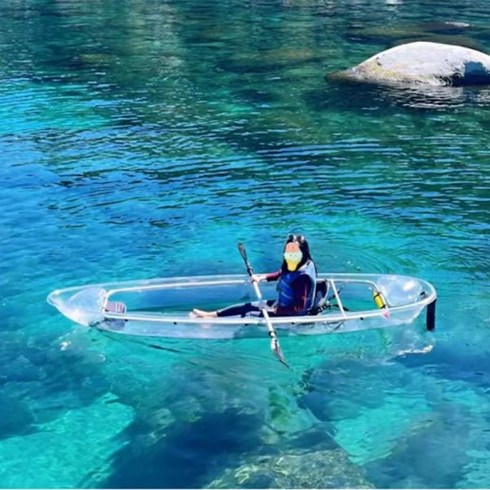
{"x":422,"y":63}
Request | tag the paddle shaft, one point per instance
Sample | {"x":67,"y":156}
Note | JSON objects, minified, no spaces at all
{"x":276,"y":348}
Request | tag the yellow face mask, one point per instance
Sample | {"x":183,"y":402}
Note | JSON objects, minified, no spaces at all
{"x":292,"y":256}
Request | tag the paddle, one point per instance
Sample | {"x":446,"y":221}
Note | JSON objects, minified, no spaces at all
{"x":275,"y":347}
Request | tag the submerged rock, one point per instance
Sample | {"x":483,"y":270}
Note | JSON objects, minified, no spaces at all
{"x":394,"y":34}
{"x":422,"y":63}
{"x":15,"y":417}
{"x":297,"y":469}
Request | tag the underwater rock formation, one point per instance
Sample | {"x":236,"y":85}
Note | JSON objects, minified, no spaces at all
{"x":295,"y":469}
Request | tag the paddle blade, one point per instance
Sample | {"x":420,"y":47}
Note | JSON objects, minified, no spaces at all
{"x":241,"y":249}
{"x":243,"y":253}
{"x":276,"y":348}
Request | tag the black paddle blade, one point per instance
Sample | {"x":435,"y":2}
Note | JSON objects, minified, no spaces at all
{"x":276,"y":348}
{"x":243,"y":253}
{"x":241,"y":249}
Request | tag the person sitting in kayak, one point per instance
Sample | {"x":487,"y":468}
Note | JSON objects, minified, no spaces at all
{"x":296,"y":286}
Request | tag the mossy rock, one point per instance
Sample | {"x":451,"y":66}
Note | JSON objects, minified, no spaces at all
{"x":300,"y":469}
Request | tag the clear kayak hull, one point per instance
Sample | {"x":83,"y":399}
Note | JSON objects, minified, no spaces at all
{"x":160,"y":307}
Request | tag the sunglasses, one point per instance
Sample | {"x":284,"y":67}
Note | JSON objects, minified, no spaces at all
{"x":296,"y":238}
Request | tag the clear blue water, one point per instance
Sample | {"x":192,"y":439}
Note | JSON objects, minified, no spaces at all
{"x":145,"y":138}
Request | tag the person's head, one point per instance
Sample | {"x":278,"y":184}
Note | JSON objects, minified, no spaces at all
{"x":296,"y":253}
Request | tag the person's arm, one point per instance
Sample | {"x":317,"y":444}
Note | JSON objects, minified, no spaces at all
{"x":301,"y":290}
{"x":271,"y":276}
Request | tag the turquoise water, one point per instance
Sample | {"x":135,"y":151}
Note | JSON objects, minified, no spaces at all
{"x":145,"y":138}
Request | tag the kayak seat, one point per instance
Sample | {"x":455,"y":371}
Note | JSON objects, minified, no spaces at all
{"x":321,"y":300}
{"x":115,"y":307}
{"x":116,"y":324}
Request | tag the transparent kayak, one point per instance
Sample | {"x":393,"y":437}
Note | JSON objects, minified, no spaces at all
{"x":160,"y":307}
